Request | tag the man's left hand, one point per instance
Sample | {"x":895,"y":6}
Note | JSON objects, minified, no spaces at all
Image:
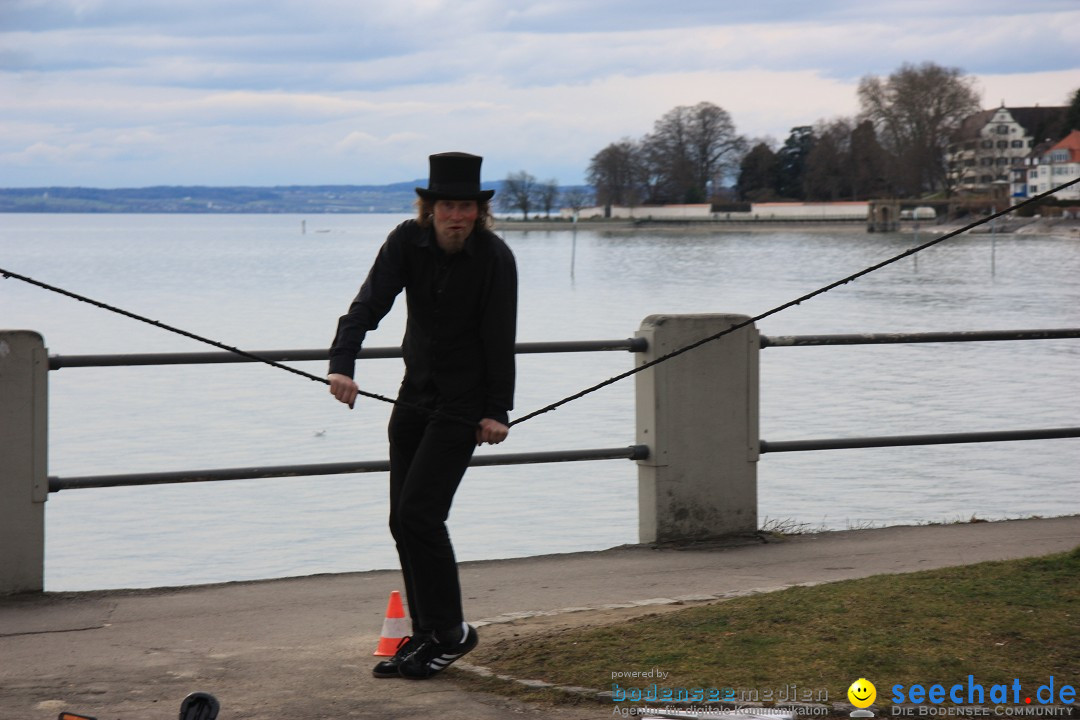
{"x":491,"y":431}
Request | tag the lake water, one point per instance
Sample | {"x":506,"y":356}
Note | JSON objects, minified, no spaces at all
{"x":257,"y":283}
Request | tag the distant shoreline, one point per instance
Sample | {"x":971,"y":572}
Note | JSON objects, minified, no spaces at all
{"x":1053,"y":227}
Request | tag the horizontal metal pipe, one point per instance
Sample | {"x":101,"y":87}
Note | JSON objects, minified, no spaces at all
{"x":202,"y":358}
{"x":56,"y":484}
{"x":716,"y":220}
{"x":930,"y":337}
{"x":57,"y":362}
{"x":906,"y":440}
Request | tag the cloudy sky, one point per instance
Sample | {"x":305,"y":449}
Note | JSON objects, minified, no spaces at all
{"x":128,"y":93}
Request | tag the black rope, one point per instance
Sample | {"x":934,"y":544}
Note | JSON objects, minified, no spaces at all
{"x":215,"y":343}
{"x":832,"y":286}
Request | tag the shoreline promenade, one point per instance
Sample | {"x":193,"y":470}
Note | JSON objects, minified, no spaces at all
{"x":300,"y":648}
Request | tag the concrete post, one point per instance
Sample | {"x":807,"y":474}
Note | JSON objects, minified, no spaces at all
{"x":24,"y":484}
{"x":698,"y":413}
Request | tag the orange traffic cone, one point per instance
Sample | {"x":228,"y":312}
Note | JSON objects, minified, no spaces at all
{"x":395,"y":627}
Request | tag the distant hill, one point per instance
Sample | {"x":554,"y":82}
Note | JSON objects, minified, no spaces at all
{"x":393,"y":198}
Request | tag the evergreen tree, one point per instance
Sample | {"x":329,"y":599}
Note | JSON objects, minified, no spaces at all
{"x":759,"y":175}
{"x":869,"y":164}
{"x":792,"y":162}
{"x":827,"y":174}
{"x":1072,"y":115}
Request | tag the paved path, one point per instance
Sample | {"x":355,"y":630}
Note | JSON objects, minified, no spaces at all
{"x":301,"y":648}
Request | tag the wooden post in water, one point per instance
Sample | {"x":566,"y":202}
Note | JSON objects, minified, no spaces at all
{"x":698,"y":414}
{"x":24,"y":484}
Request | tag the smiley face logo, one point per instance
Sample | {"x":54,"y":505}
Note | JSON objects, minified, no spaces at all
{"x":862,"y":693}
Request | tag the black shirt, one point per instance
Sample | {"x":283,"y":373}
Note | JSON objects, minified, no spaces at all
{"x":459,"y":337}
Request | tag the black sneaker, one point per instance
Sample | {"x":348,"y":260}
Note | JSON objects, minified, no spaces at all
{"x":432,"y":657}
{"x":389,"y":668}
{"x":199,"y":706}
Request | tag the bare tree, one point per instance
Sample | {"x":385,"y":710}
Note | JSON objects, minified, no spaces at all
{"x":691,"y":149}
{"x":576,"y":198}
{"x":916,"y":111}
{"x":665,"y":159}
{"x":547,"y":193}
{"x":519,"y":192}
{"x":614,"y":172}
{"x":715,"y":147}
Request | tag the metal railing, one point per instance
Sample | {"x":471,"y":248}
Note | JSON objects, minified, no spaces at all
{"x":632,"y":452}
{"x":931,"y":337}
{"x":57,"y":362}
{"x":923,"y":439}
{"x":697,"y":475}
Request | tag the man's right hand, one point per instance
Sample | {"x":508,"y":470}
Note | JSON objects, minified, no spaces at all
{"x":344,"y":388}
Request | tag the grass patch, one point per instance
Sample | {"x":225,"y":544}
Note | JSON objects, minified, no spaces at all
{"x":996,"y":621}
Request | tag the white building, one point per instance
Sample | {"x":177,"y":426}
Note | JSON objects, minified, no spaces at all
{"x":991,"y":143}
{"x":698,"y":211}
{"x":1055,"y":166}
{"x":795,"y":211}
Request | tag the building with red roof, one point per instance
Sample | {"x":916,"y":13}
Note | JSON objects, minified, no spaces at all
{"x":1054,"y":166}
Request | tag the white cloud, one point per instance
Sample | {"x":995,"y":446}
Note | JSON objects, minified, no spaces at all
{"x":130,"y":92}
{"x":1029,"y":89}
{"x":358,"y":142}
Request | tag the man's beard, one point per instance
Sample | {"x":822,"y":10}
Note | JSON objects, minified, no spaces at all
{"x":453,"y":242}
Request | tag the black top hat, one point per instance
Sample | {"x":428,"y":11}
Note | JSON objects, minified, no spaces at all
{"x":454,"y":176}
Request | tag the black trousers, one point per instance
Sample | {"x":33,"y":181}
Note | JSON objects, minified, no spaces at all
{"x":428,"y":458}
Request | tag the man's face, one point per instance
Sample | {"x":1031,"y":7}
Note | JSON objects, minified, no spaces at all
{"x":454,"y":220}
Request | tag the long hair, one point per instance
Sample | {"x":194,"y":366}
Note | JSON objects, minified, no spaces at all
{"x":484,"y":218}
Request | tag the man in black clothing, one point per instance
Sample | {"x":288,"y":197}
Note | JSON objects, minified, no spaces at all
{"x":460,"y":284}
